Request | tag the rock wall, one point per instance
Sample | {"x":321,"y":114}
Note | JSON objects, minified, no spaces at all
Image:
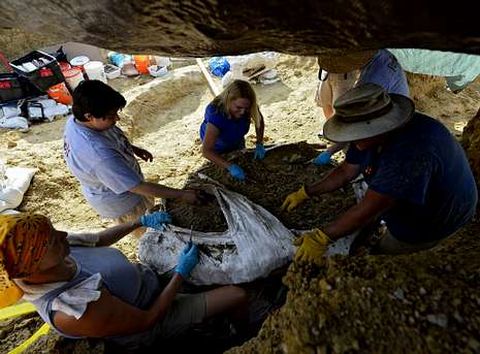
{"x":15,"y":43}
{"x":201,"y":28}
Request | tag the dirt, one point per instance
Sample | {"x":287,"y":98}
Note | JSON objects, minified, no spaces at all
{"x":284,"y":170}
{"x":14,"y":331}
{"x":163,"y":116}
{"x":422,"y":303}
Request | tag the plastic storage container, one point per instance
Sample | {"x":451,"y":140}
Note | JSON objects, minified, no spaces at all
{"x":156,"y":70}
{"x":40,"y":68}
{"x":112,"y":71}
{"x":95,"y":71}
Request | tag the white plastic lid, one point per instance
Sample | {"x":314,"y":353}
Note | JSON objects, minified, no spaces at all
{"x":80,"y":60}
{"x":93,"y":65}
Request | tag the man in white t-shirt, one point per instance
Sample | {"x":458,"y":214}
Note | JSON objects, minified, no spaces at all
{"x":99,"y":154}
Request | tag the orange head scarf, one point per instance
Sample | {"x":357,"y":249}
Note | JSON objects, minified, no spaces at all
{"x":23,"y":242}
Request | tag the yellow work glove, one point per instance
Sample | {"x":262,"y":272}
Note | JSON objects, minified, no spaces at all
{"x":312,"y":247}
{"x":294,"y":199}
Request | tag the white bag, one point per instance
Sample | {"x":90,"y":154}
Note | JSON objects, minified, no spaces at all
{"x":255,"y":244}
{"x":17,"y":182}
{"x":14,"y":123}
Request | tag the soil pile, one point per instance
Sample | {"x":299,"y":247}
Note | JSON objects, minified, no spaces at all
{"x":432,"y":98}
{"x":422,"y":303}
{"x":284,"y":170}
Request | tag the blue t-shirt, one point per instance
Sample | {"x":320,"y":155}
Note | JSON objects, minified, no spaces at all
{"x":104,"y":163}
{"x":425,"y":169}
{"x":384,"y":70}
{"x":232,"y":131}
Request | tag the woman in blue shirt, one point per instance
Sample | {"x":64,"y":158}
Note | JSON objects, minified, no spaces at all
{"x":227,"y":121}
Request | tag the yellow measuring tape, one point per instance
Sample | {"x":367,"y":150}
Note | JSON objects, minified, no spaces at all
{"x":41,"y":332}
{"x":16,"y":310}
{"x":19,"y":310}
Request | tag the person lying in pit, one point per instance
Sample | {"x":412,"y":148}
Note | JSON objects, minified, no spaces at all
{"x":83,"y":288}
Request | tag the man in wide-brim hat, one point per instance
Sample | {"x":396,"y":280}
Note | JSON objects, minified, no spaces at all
{"x":419,"y":180}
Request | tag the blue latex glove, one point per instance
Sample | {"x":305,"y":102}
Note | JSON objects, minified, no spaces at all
{"x":157,"y":220}
{"x":236,"y":172}
{"x":322,"y":159}
{"x":259,"y":152}
{"x":187,"y":260}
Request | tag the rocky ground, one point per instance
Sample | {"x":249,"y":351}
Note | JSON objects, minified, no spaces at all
{"x":423,"y":303}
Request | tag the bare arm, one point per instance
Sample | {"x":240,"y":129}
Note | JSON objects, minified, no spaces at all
{"x":157,"y":190}
{"x":208,"y":146}
{"x":113,"y":234}
{"x":110,"y":316}
{"x":371,"y":206}
{"x":259,"y":131}
{"x":339,"y":177}
{"x":145,"y":155}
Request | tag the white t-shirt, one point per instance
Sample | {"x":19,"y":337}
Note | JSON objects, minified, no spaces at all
{"x":105,"y":165}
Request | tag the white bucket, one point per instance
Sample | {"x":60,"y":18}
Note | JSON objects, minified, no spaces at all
{"x":73,"y":77}
{"x":95,"y":71}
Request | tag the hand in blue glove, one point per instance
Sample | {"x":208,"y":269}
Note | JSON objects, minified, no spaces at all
{"x":259,"y":152}
{"x":157,"y":220}
{"x":322,"y":159}
{"x":187,"y":260}
{"x":236,"y":172}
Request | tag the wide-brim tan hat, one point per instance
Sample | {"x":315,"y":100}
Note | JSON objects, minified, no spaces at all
{"x":367,"y":111}
{"x":344,"y":62}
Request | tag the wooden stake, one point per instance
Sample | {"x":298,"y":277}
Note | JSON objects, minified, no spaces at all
{"x":215,"y":90}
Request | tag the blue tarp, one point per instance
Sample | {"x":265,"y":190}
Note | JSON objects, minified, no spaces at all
{"x":219,"y":66}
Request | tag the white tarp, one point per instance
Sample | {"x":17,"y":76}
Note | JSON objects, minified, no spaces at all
{"x":255,"y":244}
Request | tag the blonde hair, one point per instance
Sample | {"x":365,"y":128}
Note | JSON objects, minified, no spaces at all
{"x":238,"y":89}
